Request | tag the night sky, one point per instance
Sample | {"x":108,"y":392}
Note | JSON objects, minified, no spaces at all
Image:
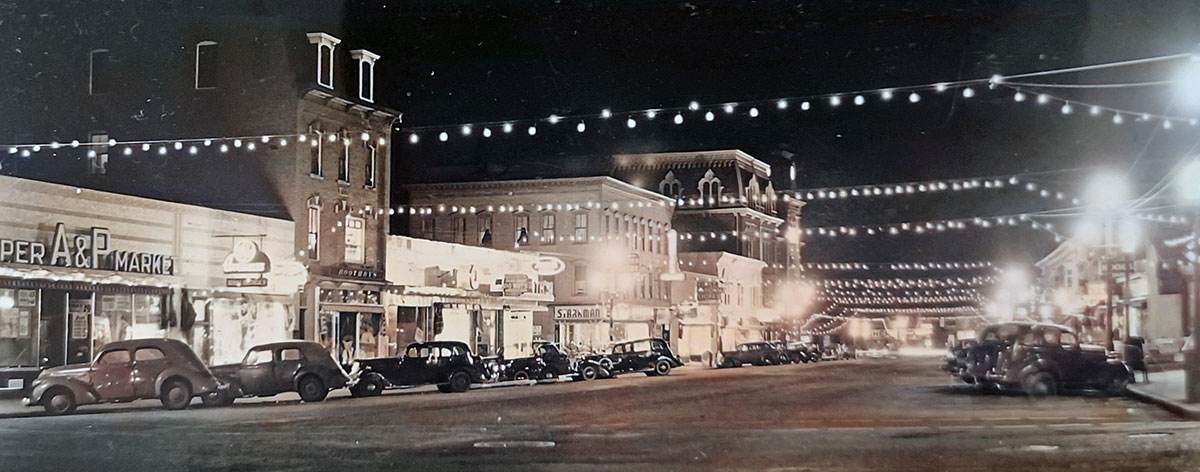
{"x":457,"y":62}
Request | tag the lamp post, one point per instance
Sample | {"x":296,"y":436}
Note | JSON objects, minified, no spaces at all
{"x":1188,"y":182}
{"x":1105,"y":194}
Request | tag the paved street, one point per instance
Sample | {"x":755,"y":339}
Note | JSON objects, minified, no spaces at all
{"x":885,"y":414}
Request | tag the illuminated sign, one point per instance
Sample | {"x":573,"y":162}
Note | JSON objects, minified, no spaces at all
{"x":578,"y":312}
{"x":84,"y":251}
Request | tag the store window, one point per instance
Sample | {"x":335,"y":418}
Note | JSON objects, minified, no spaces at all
{"x":355,"y":239}
{"x":97,"y":153}
{"x":344,"y":162}
{"x":18,"y":327}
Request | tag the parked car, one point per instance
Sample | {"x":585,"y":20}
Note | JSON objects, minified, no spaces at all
{"x":794,"y":353}
{"x":548,"y":362}
{"x":304,"y":367}
{"x":651,"y":356}
{"x":956,"y":358}
{"x":980,"y":358}
{"x":1048,"y":358}
{"x":755,"y":353}
{"x":448,"y":364}
{"x":165,"y":369}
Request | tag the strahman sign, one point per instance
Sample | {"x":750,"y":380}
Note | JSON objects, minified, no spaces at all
{"x":577,"y":312}
{"x":84,"y":251}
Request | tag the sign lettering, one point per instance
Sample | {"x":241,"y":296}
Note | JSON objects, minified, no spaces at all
{"x":84,"y":251}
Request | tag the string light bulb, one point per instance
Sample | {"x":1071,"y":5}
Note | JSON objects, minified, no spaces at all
{"x":1019,"y":97}
{"x":753,"y":112}
{"x":940,"y":87}
{"x":968,"y":92}
{"x":1066,"y":108}
{"x":835,"y":100}
{"x":630,"y":123}
{"x":886,"y":95}
{"x":443,"y":136}
{"x":532,"y":130}
{"x":606,"y":113}
{"x":413,"y":138}
{"x":650,"y":114}
{"x":859,"y":100}
{"x":553,"y":119}
{"x":1118,"y":119}
{"x":508,"y":127}
{"x":914,"y":97}
{"x":782,"y":104}
{"x":487,"y":133}
{"x":805,"y":106}
{"x":678,"y":118}
{"x":693,"y":106}
{"x":708,"y":116}
{"x":728,"y":108}
{"x":466,"y":130}
{"x":580,"y":127}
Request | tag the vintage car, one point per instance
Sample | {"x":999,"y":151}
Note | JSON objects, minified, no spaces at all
{"x":956,"y":357}
{"x":304,"y":367}
{"x":548,"y":362}
{"x":651,"y":356}
{"x":165,"y":369}
{"x":980,"y":358}
{"x":448,"y":364}
{"x":755,"y":353}
{"x":1048,"y":358}
{"x":794,"y":353}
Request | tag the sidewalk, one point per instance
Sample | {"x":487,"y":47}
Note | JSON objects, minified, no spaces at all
{"x":1166,"y":389}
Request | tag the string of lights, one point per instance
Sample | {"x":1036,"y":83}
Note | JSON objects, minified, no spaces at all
{"x":906,"y":283}
{"x":193,"y":146}
{"x":755,"y":108}
{"x":897,"y":266}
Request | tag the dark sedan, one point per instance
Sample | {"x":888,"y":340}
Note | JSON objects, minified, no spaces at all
{"x":651,"y":356}
{"x":448,"y":364}
{"x":270,"y":369}
{"x":756,"y":353}
{"x":1048,"y":358}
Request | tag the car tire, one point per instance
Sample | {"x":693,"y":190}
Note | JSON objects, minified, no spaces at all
{"x":59,"y":401}
{"x":589,"y":372}
{"x":367,"y":386}
{"x":549,"y":374}
{"x":1116,"y":387}
{"x":606,"y":363}
{"x":521,"y":375}
{"x":796,"y":359}
{"x":176,"y":394}
{"x":311,"y":389}
{"x":458,"y":382}
{"x":1039,"y":384}
{"x":662,"y":367}
{"x":217,"y":398}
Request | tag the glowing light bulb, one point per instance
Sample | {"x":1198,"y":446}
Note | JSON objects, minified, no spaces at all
{"x":914,"y":97}
{"x":1019,"y":96}
{"x":606,"y":113}
{"x":940,"y":87}
{"x":1042,"y":99}
{"x":443,"y":136}
{"x":886,"y":95}
{"x":835,"y":100}
{"x":553,"y":119}
{"x":678,"y":119}
{"x":1118,"y":119}
{"x":466,"y":130}
{"x":650,"y":114}
{"x":753,"y":112}
{"x":630,"y":123}
{"x":487,"y":132}
{"x":178,"y":146}
{"x":805,"y":106}
{"x":192,"y":150}
{"x":782,"y":104}
{"x":413,"y":138}
{"x":859,"y":100}
{"x":224,"y":148}
{"x":237,"y":143}
{"x":508,"y":127}
{"x":1095,"y":110}
{"x":1066,"y":109}
{"x":162,"y":150}
{"x":728,"y":108}
{"x":968,"y":92}
{"x":532,"y":130}
{"x":580,"y":127}
{"x":127,"y":151}
{"x":709,"y":116}
{"x":694,"y":106}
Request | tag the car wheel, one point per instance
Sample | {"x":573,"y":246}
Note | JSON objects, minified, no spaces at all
{"x":549,"y":374}
{"x":1040,"y":384}
{"x":606,"y":363}
{"x":367,"y":386}
{"x":459,"y":382}
{"x":311,"y":389}
{"x":796,"y":359}
{"x":59,"y":401}
{"x":176,"y":395}
{"x":662,"y":367}
{"x":521,"y":375}
{"x":589,"y":372}
{"x":1116,"y":386}
{"x":219,"y":397}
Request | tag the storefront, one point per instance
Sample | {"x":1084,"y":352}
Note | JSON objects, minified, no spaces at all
{"x":79,"y":269}
{"x":351,"y":321}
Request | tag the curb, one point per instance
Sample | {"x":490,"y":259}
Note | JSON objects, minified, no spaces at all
{"x":1171,"y":406}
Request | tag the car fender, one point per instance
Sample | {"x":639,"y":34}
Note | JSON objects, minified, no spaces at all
{"x":1038,"y":365}
{"x":83,"y":392}
{"x":674,"y":363}
{"x":200,"y":383}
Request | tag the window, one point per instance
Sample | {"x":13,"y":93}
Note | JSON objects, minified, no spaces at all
{"x":344,"y":162}
{"x":581,"y":228}
{"x":114,"y":357}
{"x":100,"y":72}
{"x":290,"y":354}
{"x":148,"y":354}
{"x":314,"y":230}
{"x":580,"y":279}
{"x":355,"y":239}
{"x":429,"y":228}
{"x":548,"y":229}
{"x":325,"y":46}
{"x":314,"y":161}
{"x":460,"y":230}
{"x":369,"y":176}
{"x":206,"y":65}
{"x":366,"y":73}
{"x":521,"y":233}
{"x":257,"y":357}
{"x":97,"y":154}
{"x":485,"y":230}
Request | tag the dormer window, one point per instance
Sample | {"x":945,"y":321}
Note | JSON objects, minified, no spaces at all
{"x":325,"y":45}
{"x":366,"y":73}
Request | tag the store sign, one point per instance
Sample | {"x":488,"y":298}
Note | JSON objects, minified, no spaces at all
{"x":516,"y":285}
{"x":246,"y":258}
{"x":246,"y":282}
{"x":547,"y":265}
{"x":84,"y":251}
{"x":577,"y":312}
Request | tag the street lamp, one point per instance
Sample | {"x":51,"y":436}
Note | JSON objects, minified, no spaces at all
{"x":1188,"y":184}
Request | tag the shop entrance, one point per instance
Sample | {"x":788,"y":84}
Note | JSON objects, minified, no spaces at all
{"x":65,"y":326}
{"x":356,"y":334}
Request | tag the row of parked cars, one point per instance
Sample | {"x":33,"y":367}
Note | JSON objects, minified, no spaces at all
{"x":170,"y":371}
{"x":1038,"y":359}
{"x":775,"y":353}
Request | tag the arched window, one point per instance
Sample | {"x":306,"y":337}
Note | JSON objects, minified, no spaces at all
{"x":670,"y":185}
{"x":710,"y":188}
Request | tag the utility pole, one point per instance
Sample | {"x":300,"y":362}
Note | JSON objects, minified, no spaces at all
{"x":1108,"y":285}
{"x":1192,"y":363}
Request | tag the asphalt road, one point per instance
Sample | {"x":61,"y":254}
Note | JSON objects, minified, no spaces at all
{"x":879,"y":414}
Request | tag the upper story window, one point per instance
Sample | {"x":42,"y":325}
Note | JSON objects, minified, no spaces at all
{"x":316,"y":144}
{"x":97,"y":154}
{"x":206,"y":65}
{"x":460,"y":230}
{"x":370,"y":168}
{"x":710,"y":188}
{"x":314,"y":229}
{"x":581,"y":228}
{"x":670,"y":185}
{"x":429,"y":228}
{"x":366,"y":73}
{"x":581,"y":278}
{"x":485,"y":230}
{"x":100,"y":72}
{"x":325,"y":46}
{"x":344,"y":162}
{"x":521,"y":231}
{"x":355,"y":239}
{"x":548,"y":228}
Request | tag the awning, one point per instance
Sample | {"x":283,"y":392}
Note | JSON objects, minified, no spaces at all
{"x":64,"y":278}
{"x":351,"y":307}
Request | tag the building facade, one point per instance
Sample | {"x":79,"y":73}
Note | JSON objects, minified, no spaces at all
{"x":256,"y":107}
{"x":718,"y":304}
{"x":81,"y":268}
{"x":610,"y":235}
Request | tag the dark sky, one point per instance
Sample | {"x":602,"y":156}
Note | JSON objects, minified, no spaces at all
{"x":458,"y":61}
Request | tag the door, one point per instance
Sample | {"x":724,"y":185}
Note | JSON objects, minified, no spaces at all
{"x":52,"y":327}
{"x":411,"y":370}
{"x":289,"y":363}
{"x":111,"y":373}
{"x":257,"y":373}
{"x":347,"y":333}
{"x":148,"y":363}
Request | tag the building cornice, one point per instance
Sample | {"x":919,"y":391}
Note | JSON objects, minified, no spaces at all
{"x":599,"y":181}
{"x":691,"y":159}
{"x":730,"y":210}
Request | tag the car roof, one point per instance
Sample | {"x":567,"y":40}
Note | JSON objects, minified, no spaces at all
{"x":638,"y":340}
{"x":146,"y":342}
{"x":283,"y":344}
{"x":438,"y":344}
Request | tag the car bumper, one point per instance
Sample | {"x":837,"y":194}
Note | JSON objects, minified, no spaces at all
{"x":26,"y":401}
